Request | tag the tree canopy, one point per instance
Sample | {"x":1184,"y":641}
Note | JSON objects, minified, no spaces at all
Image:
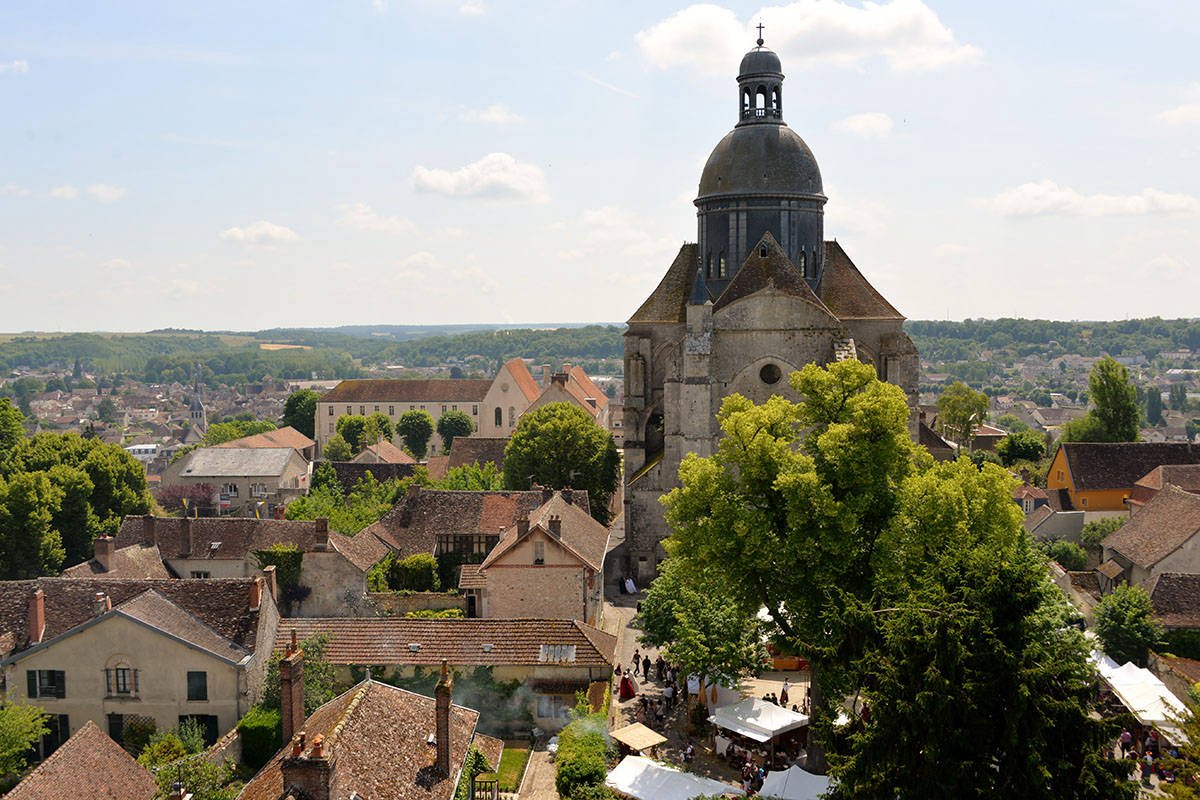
{"x":415,"y":428}
{"x":1126,"y":626}
{"x":300,"y":411}
{"x":961,"y":410}
{"x":1024,"y":445}
{"x":453,"y":424}
{"x":1115,"y":414}
{"x":560,"y":446}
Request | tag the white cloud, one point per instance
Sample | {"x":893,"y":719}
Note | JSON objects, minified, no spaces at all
{"x":622,"y":232}
{"x":472,"y":8}
{"x":18,"y":67}
{"x":869,"y":124}
{"x":105,"y":193}
{"x":1047,"y":197}
{"x":182,"y":288}
{"x":66,"y":192}
{"x":866,"y":218}
{"x":361,"y":217}
{"x":261,"y":232}
{"x":379,"y":5}
{"x":497,"y":176}
{"x":1187,"y":114}
{"x":496,"y":114}
{"x":116,"y":264}
{"x":13,"y":190}
{"x":710,"y":38}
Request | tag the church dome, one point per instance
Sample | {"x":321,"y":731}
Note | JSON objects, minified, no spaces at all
{"x":760,"y":61}
{"x":762,"y":160}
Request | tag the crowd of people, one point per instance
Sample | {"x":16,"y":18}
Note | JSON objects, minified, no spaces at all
{"x":1148,"y":756}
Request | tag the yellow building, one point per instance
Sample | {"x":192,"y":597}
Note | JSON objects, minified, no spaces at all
{"x":1099,"y":476}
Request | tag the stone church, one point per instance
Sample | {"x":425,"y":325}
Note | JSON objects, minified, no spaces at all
{"x":759,"y":295}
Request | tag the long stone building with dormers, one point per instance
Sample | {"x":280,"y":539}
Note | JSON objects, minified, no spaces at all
{"x":759,"y":295}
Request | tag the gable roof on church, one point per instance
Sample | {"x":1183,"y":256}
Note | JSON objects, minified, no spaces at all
{"x":666,"y":303}
{"x":847,"y":293}
{"x":773,"y":271}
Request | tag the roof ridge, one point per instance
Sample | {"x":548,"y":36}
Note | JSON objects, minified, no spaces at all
{"x":344,"y":717}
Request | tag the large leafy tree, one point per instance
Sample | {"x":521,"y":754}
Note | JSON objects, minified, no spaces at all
{"x":21,"y":726}
{"x":1126,"y":626}
{"x":11,"y":429}
{"x":1115,"y":413}
{"x":453,"y":424}
{"x":961,"y":409}
{"x":29,"y":544}
{"x":300,"y":411}
{"x":1021,"y":446}
{"x":559,"y":445}
{"x":415,"y":428}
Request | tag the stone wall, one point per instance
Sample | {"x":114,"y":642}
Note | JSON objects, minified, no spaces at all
{"x":394,"y":604}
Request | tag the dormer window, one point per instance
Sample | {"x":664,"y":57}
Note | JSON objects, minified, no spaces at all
{"x":762,"y":251}
{"x":539,"y":552}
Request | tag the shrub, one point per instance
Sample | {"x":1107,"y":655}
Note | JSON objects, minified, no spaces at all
{"x":262,"y":736}
{"x":1068,"y":554}
{"x":435,"y":613}
{"x":418,"y":572}
{"x":136,"y":734}
{"x":577,"y":772}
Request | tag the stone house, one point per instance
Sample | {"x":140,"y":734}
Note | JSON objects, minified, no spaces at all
{"x":510,"y":395}
{"x":1100,"y":476}
{"x":383,"y":453}
{"x":286,"y":436}
{"x":88,"y":759}
{"x":111,"y":650}
{"x":572,"y":385}
{"x":553,"y":658}
{"x":245,"y":480}
{"x":1184,"y":476}
{"x":333,"y":566}
{"x":1161,"y":538}
{"x":394,"y":398}
{"x":550,"y":565}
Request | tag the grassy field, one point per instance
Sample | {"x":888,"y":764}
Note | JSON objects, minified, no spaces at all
{"x":512,"y":764}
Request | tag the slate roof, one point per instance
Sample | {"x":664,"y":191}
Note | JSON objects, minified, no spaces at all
{"x":156,"y":611}
{"x":775,"y":271}
{"x":1037,"y":517}
{"x":216,"y":462}
{"x":236,"y":537}
{"x":466,"y":450}
{"x":1119,"y":465}
{"x":403,"y":391}
{"x":846,"y":293}
{"x":286,"y":436}
{"x":375,"y":741}
{"x":462,"y":642}
{"x":1176,"y":600}
{"x":582,"y":535}
{"x":223,"y":605}
{"x":133,"y":562}
{"x":1185,"y":476}
{"x":91,"y":765}
{"x":668,"y":301}
{"x":1164,"y":524}
{"x":413,"y":524}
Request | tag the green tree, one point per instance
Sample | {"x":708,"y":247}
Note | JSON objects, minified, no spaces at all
{"x":338,"y":449}
{"x":300,"y":411}
{"x":1011,"y":423}
{"x":378,"y":428}
{"x":1069,"y":555}
{"x":453,"y":424}
{"x":1177,"y":397}
{"x":319,"y":676}
{"x":1114,"y":415}
{"x":415,"y":427}
{"x":106,"y":410}
{"x":352,"y":511}
{"x":559,"y":445}
{"x":473,"y":478}
{"x":1023,"y":446}
{"x":29,"y":544}
{"x":961,"y":410}
{"x":1154,"y":406}
{"x":227,"y":431}
{"x":1126,"y":626}
{"x":21,"y":726}
{"x":12,"y":429}
{"x":1095,"y":532}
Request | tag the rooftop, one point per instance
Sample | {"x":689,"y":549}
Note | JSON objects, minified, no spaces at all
{"x":1176,"y":600}
{"x":1171,"y":518}
{"x":88,"y":759}
{"x":286,"y":436}
{"x":218,"y":462}
{"x":1119,"y":465}
{"x":402,"y":391}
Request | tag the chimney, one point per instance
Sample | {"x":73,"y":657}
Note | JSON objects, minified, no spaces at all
{"x":568,"y":496}
{"x":148,"y":530}
{"x":556,"y":526}
{"x":547,"y":494}
{"x":271,"y":581}
{"x":104,"y":552}
{"x":441,"y":694}
{"x":545,"y":375}
{"x":522,"y":526}
{"x":291,"y":689}
{"x":37,"y":616}
{"x":307,"y":775}
{"x":190,"y":536}
{"x":101,"y":604}
{"x":560,"y":378}
{"x":321,"y":524}
{"x":256,"y":592}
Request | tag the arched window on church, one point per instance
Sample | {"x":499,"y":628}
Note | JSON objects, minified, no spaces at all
{"x":745,"y":103}
{"x":760,"y":101}
{"x":499,"y":417}
{"x":721,"y":266}
{"x":512,"y":417}
{"x":776,"y":106}
{"x":803,"y":265}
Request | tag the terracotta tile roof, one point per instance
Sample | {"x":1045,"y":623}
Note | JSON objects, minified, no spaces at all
{"x":383,"y":453}
{"x":491,"y":748}
{"x":1176,"y":600}
{"x":91,"y":765}
{"x":286,"y":436}
{"x":363,"y":550}
{"x":581,"y":535}
{"x":1029,"y":492}
{"x":133,"y":562}
{"x":1037,"y":517}
{"x":462,"y":642}
{"x":1188,"y":668}
{"x":1161,"y":527}
{"x":236,"y":537}
{"x":477,"y":450}
{"x":469,"y":577}
{"x":402,"y":391}
{"x":668,"y":301}
{"x":1110,"y":569}
{"x":774,"y":271}
{"x":221,"y":604}
{"x":588,"y":386}
{"x":152,"y":609}
{"x":436,"y":466}
{"x":413,"y":524}
{"x":1119,"y":465}
{"x":523,"y":378}
{"x":1185,"y":476}
{"x":847,"y":293}
{"x":375,"y":741}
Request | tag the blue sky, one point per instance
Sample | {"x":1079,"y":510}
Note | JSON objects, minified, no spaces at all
{"x":242,"y":166}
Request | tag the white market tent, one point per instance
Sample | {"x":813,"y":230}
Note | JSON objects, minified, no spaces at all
{"x":757,"y":719}
{"x":644,"y":779}
{"x":794,"y":784}
{"x":1146,"y":697}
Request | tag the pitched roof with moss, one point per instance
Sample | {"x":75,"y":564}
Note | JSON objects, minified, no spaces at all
{"x":1163,"y":525}
{"x":90,"y":765}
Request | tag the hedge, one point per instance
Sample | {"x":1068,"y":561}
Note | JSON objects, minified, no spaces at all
{"x":262,"y":733}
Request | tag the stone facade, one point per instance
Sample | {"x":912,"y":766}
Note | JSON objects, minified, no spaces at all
{"x":723,"y":322}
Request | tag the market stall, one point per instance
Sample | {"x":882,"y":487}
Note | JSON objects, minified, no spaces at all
{"x":643,"y":779}
{"x":763,"y":731}
{"x":794,"y":784}
{"x":1144,"y":695}
{"x":637,"y":739}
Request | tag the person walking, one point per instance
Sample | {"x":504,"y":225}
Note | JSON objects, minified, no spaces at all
{"x":1126,"y":742}
{"x":637,"y":663}
{"x":783,"y":693}
{"x":646,"y":667}
{"x":660,"y":668}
